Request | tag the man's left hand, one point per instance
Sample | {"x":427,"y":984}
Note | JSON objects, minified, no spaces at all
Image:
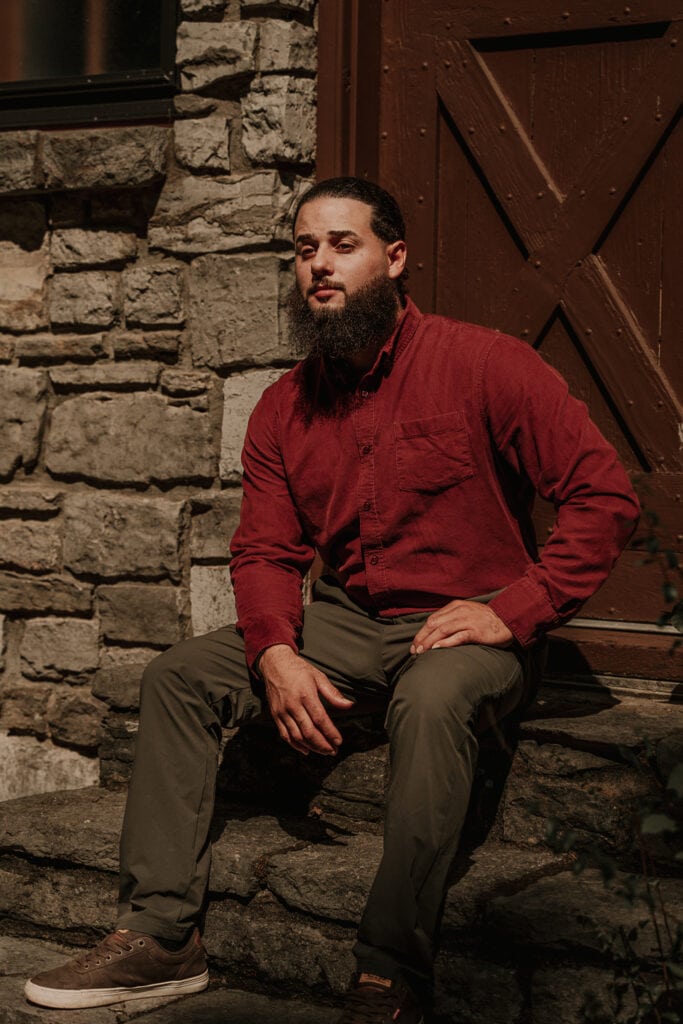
{"x":461,"y":622}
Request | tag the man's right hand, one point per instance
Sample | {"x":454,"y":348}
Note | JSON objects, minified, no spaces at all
{"x":294,"y":688}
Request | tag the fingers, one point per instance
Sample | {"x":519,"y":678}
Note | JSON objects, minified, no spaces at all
{"x":461,"y":622}
{"x":333,"y":696}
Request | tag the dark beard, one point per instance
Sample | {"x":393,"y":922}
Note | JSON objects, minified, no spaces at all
{"x":367,"y":319}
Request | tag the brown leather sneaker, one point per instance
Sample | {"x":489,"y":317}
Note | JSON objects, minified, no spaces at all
{"x":369,"y":1002}
{"x":124,"y":965}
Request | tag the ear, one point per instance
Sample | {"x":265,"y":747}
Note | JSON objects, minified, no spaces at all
{"x":397,"y":254}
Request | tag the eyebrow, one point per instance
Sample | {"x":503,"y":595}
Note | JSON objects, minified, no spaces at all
{"x":336,"y":233}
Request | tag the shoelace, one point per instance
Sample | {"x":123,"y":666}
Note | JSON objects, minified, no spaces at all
{"x":114,"y":944}
{"x":368,"y":1004}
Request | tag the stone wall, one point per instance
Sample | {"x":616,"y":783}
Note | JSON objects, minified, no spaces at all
{"x":142,"y":275}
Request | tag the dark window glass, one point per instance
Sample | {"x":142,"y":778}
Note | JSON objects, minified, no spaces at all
{"x":83,"y":53}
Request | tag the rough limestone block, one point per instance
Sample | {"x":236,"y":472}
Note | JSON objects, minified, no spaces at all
{"x":211,"y":598}
{"x":567,"y":994}
{"x":24,"y":708}
{"x":139,"y":613}
{"x":330,"y":880}
{"x":22,"y":409}
{"x":111,"y":536}
{"x":83,"y":902}
{"x":89,"y":298}
{"x":571,"y":911}
{"x":240,"y":395}
{"x":31,"y":766}
{"x":116,"y":440}
{"x":107,"y":376}
{"x":61,"y":348}
{"x":6,"y":350}
{"x":184,"y":383}
{"x":18,"y":169}
{"x":281,"y":5}
{"x":23,"y":286}
{"x":280,"y":948}
{"x":286,"y":46}
{"x":119,"y":685}
{"x":57,"y":595}
{"x":202,"y":145}
{"x":35,"y":546}
{"x":60,"y":649}
{"x":591,"y":795}
{"x":211,"y":53}
{"x":105,"y":157}
{"x":214,"y":520}
{"x":199,"y":215}
{"x":31,"y":501}
{"x":188,"y":105}
{"x":279,"y":120}
{"x":474,"y":990}
{"x":154,"y":294}
{"x":135,"y":345}
{"x":2,"y":642}
{"x":74,"y":247}
{"x":201,"y":8}
{"x":74,"y":716}
{"x":234,"y":310}
{"x":240,"y":851}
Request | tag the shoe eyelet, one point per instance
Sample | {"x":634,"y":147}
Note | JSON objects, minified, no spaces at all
{"x":141,"y":942}
{"x":108,"y":957}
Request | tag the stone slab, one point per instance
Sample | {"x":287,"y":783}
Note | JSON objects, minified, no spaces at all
{"x":106,"y":376}
{"x":115,"y":439}
{"x":154,"y":294}
{"x":33,"y":545}
{"x":74,"y":717}
{"x":185,"y":383}
{"x":279,"y":120}
{"x":139,"y":613}
{"x":79,"y":827}
{"x":88,"y":298}
{"x":198,"y":215}
{"x":241,"y":392}
{"x":234,"y":311}
{"x":209,"y":53}
{"x":34,"y":766}
{"x":476,"y":992}
{"x":58,"y":595}
{"x":6,"y":350}
{"x":22,"y":409}
{"x":23,"y":287}
{"x":60,"y":649}
{"x":211,"y":598}
{"x":61,"y":348}
{"x":32,"y":501}
{"x":491,"y":870}
{"x":203,"y":144}
{"x":18,"y":164}
{"x":23,"y":712}
{"x":568,"y":995}
{"x":286,"y":46}
{"x":241,"y":850}
{"x":329,"y":879}
{"x":214,"y":520}
{"x":118,"y":685}
{"x":105,"y":157}
{"x":96,"y":523}
{"x":76,"y":247}
{"x":573,"y":912}
{"x":281,"y":5}
{"x":153,"y":345}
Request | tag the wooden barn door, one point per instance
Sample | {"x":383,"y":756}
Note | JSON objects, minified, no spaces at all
{"x":537,"y":153}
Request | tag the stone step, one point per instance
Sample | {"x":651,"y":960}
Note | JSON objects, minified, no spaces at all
{"x":290,"y":878}
{"x":20,"y":957}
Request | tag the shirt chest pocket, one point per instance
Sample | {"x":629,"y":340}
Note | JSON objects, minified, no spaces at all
{"x":432,"y":453}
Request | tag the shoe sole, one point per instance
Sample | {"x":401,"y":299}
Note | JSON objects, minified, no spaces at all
{"x":76,"y":999}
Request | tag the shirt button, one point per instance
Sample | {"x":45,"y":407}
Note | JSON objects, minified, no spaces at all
{"x":366,"y":506}
{"x":365,"y":394}
{"x":374,"y":559}
{"x":366,"y":449}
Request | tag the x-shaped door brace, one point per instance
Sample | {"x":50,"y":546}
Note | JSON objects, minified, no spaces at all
{"x":559,"y":232}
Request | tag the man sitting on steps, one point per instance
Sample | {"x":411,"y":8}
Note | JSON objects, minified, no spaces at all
{"x":406,"y":449}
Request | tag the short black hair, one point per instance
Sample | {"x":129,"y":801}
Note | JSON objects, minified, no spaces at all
{"x":386,"y":220}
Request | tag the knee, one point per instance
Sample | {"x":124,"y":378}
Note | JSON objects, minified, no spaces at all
{"x":423,"y":700}
{"x":164,"y":673}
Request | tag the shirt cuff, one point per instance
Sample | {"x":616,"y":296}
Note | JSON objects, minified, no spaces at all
{"x":263,"y":632}
{"x":526,"y":610}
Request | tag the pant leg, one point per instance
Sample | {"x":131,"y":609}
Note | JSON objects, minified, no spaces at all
{"x":433,"y":751}
{"x":187,"y":694}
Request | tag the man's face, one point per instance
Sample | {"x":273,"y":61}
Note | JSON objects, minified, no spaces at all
{"x":337,"y":252}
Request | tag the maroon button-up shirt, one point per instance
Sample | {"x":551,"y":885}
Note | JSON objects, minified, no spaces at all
{"x":419,"y":489}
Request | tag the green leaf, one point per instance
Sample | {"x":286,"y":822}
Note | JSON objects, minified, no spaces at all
{"x":675,"y":782}
{"x":655,"y":824}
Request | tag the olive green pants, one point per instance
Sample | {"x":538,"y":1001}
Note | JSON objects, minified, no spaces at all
{"x":433,"y":702}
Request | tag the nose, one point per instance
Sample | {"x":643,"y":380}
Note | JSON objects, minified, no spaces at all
{"x":322,"y":264}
